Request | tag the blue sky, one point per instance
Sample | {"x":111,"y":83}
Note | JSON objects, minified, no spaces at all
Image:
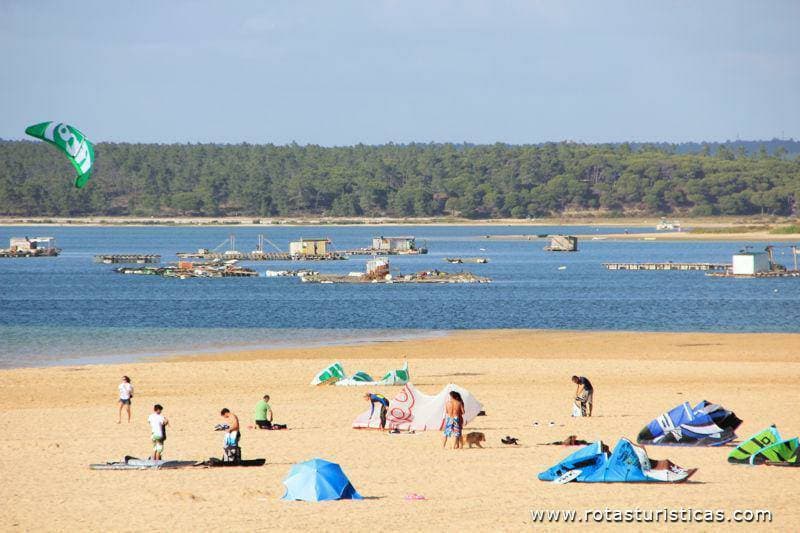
{"x":376,"y":71}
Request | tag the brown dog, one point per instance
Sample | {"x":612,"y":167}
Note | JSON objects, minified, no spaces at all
{"x":475,"y":437}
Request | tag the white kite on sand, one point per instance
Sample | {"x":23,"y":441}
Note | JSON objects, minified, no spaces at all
{"x":417,"y":411}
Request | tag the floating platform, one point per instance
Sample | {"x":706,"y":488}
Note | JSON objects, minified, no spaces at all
{"x":140,"y":259}
{"x":183,"y":271}
{"x":460,"y":260}
{"x":380,"y":251}
{"x":10,"y":254}
{"x":667,"y":266}
{"x":562,"y":243}
{"x":772,"y":274}
{"x":261,"y":256}
{"x":289,"y":273}
{"x":30,"y":247}
{"x":434,"y":276}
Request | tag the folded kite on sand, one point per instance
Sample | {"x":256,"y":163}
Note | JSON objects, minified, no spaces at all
{"x":628,"y":463}
{"x":335,"y":374}
{"x":414,"y":410}
{"x":706,"y":424}
{"x":132,"y":463}
{"x":767,"y":447}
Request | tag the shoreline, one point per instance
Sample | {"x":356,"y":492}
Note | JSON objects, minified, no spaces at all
{"x":567,"y":220}
{"x":539,"y":344}
{"x":435,"y":344}
{"x":156,"y":355}
{"x":686,"y":236}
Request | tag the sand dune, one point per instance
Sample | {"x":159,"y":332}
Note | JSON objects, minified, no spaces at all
{"x":58,"y":420}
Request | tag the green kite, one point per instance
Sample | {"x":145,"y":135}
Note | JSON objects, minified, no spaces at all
{"x":72,"y":142}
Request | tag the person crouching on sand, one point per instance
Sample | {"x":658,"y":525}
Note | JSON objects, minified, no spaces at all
{"x":381,"y":399}
{"x":232,"y":435}
{"x":158,"y":431}
{"x":263,"y":414}
{"x":584,"y":393}
{"x":125,"y":397}
{"x":454,"y":419}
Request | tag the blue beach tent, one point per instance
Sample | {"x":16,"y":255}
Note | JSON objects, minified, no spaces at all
{"x":627,"y":463}
{"x":318,"y":480}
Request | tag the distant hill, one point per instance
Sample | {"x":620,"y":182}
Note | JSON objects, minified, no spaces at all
{"x":791,"y":147}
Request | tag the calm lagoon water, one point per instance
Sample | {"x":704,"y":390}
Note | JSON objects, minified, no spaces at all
{"x":71,"y":310}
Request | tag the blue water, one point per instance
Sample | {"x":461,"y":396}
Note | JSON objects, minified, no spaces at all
{"x":69,"y":309}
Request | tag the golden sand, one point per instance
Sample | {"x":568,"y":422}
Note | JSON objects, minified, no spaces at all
{"x":56,"y":421}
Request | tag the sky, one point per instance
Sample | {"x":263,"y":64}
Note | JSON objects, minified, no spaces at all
{"x":377,"y":71}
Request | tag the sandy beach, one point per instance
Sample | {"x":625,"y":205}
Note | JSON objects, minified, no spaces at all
{"x":56,"y":421}
{"x":568,"y":219}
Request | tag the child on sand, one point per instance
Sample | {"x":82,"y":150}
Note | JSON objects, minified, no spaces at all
{"x":454,"y":419}
{"x":125,"y":397}
{"x":158,"y":431}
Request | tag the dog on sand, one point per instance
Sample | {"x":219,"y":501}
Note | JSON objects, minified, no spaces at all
{"x":475,"y":437}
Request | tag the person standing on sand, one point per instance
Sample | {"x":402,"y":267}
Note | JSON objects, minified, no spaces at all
{"x":584,"y":393}
{"x":263,"y":414}
{"x":381,"y":399}
{"x":125,"y":397}
{"x":158,"y":429}
{"x":453,"y":420}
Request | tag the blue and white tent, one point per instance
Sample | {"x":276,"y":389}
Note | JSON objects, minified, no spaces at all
{"x":706,"y":424}
{"x":627,"y":463}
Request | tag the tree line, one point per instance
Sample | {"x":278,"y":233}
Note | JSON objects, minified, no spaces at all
{"x":412,"y":180}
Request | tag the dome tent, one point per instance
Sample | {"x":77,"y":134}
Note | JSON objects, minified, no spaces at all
{"x":318,"y":480}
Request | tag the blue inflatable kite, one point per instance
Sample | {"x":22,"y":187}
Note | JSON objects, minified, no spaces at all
{"x":707,"y":424}
{"x":627,"y":463}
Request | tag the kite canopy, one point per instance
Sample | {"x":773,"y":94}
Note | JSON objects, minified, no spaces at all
{"x":414,"y":410}
{"x":706,"y":424}
{"x":72,"y":142}
{"x":397,"y":377}
{"x":318,"y":480}
{"x":394,"y":377}
{"x":335,"y":374}
{"x":627,"y":463}
{"x":329,"y":375}
{"x":767,"y":446}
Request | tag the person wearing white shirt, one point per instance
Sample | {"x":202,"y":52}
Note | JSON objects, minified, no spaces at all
{"x":158,"y":429}
{"x":125,"y":397}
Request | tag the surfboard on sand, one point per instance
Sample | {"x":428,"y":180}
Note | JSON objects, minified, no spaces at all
{"x":566,"y":477}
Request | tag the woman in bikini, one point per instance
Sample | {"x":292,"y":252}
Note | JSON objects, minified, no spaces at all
{"x":454,"y":419}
